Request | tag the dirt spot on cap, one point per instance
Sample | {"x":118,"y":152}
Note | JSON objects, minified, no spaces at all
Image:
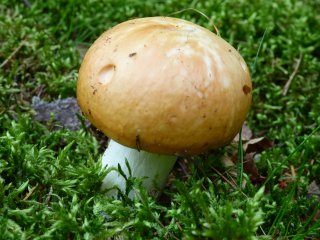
{"x":246,"y":89}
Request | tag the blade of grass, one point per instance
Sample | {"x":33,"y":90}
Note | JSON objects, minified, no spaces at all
{"x":202,"y":14}
{"x":307,"y":222}
{"x":253,"y":65}
{"x":286,"y":201}
{"x":240,"y":161}
{"x":276,"y":169}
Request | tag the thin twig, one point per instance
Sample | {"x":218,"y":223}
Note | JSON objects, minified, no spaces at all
{"x":11,"y":55}
{"x":293,"y":74}
{"x":49,"y":195}
{"x":30,"y":193}
{"x":202,"y":14}
{"x":293,"y":172}
{"x":224,"y":178}
{"x":183,"y":168}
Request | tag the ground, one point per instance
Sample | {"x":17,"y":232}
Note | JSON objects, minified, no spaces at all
{"x":50,"y":174}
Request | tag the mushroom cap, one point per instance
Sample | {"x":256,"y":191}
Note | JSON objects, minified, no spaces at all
{"x":164,"y":85}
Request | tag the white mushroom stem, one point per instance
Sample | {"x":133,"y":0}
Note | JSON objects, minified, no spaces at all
{"x":154,"y":168}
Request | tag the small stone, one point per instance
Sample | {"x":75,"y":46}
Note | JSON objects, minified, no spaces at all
{"x":63,"y":112}
{"x":314,"y":189}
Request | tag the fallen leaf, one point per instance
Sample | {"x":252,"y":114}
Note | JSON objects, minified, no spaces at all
{"x":257,"y":145}
{"x":246,"y":134}
{"x":317,"y":216}
{"x":252,"y":147}
{"x":250,"y":167}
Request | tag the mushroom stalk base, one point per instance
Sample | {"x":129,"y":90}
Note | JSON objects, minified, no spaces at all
{"x":155,"y":168}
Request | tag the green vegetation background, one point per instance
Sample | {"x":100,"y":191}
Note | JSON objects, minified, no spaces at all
{"x":49,"y":180}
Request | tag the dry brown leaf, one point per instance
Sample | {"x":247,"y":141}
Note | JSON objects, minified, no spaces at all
{"x":246,"y":134}
{"x":251,"y":148}
{"x":257,"y":145}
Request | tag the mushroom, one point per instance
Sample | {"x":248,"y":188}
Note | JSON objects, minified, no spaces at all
{"x":161,"y":87}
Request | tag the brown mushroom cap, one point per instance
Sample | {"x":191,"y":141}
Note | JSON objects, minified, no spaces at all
{"x":164,"y":85}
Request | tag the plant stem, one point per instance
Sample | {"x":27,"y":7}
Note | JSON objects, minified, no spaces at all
{"x":154,"y":168}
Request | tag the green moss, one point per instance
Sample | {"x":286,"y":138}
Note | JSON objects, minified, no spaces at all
{"x":50,"y":180}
